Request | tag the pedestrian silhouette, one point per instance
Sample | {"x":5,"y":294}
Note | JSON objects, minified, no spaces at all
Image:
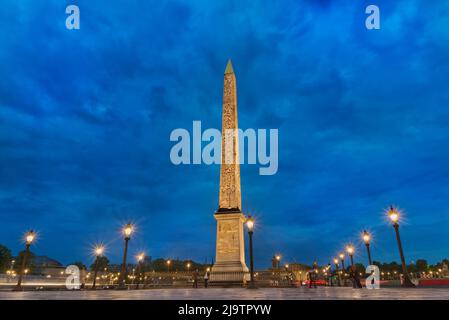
{"x":312,"y":274}
{"x":195,"y":279}
{"x":206,"y":279}
{"x":355,"y":278}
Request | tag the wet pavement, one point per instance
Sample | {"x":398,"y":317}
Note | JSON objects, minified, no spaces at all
{"x":302,"y":293}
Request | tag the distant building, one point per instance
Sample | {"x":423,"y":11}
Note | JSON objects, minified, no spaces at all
{"x":299,"y":270}
{"x":115,"y":267}
{"x":445,"y":271}
{"x":45,"y":266}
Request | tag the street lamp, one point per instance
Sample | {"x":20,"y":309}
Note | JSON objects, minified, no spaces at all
{"x":250,"y":227}
{"x":140,"y":258}
{"x":188,"y":265}
{"x":394,"y":216}
{"x":30,"y":236}
{"x":367,"y":238}
{"x":337,"y":270}
{"x":98,"y":251}
{"x":336,"y":263}
{"x":350,"y":250}
{"x":128,"y":229}
{"x":11,"y":271}
{"x":168,"y":265}
{"x":342,"y":259}
{"x":278,"y":260}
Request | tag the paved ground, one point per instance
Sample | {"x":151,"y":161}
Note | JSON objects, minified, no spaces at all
{"x":236,"y":293}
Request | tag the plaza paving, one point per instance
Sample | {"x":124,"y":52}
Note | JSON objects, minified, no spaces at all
{"x":321,"y":293}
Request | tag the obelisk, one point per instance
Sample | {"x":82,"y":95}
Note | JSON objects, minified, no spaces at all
{"x":230,"y":249}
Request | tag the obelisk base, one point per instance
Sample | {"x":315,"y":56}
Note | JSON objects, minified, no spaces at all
{"x":230,"y":267}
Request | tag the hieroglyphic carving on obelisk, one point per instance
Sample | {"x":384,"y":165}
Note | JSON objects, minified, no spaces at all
{"x":230,"y":197}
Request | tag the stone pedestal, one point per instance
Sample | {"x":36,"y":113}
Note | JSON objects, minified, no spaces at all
{"x":230,"y":266}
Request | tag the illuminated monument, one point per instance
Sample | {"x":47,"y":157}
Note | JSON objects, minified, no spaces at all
{"x":230,"y":250}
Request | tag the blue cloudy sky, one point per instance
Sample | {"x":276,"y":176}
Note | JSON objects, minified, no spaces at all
{"x":86,"y":115}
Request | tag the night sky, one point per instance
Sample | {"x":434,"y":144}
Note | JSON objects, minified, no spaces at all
{"x":86,"y":116}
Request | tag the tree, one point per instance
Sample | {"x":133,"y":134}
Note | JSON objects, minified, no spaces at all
{"x":29,"y":261}
{"x":80,"y":265}
{"x":411,"y":268}
{"x":160,"y":265}
{"x":421,"y":265}
{"x":5,"y":258}
{"x":360,"y":268}
{"x":103,"y":262}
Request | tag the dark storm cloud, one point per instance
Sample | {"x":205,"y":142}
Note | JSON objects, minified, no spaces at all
{"x":85,"y":119}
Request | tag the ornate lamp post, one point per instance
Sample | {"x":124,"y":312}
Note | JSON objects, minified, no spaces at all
{"x":393,"y":214}
{"x":250,"y":226}
{"x":188,"y":265}
{"x":367,"y":238}
{"x":99,"y":250}
{"x":350,"y":250}
{"x":342,"y":259}
{"x":336,"y":264}
{"x":168,"y":265}
{"x":127,"y":231}
{"x":337,"y":270}
{"x":140,"y":258}
{"x":30,"y":236}
{"x":278,"y":260}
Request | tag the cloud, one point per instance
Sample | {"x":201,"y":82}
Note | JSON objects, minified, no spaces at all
{"x":85,"y":118}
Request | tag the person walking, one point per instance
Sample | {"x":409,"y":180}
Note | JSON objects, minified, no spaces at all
{"x":195,"y":279}
{"x":329,"y":276}
{"x":206,"y":279}
{"x":313,"y":275}
{"x":355,"y":278}
{"x":312,"y":278}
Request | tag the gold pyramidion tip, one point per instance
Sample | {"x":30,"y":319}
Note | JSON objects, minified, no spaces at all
{"x":229,"y":68}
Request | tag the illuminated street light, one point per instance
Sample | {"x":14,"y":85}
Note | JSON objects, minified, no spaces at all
{"x":367,"y":238}
{"x":98,"y":250}
{"x":336,"y":263}
{"x":30,"y":237}
{"x":394,"y":216}
{"x":140,"y":259}
{"x":337,"y":271}
{"x":168,"y":265}
{"x":278,"y":260}
{"x":127,"y":231}
{"x":342,"y":259}
{"x":188,"y":265}
{"x":350,"y":250}
{"x":250,"y":227}
{"x":12,"y":266}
